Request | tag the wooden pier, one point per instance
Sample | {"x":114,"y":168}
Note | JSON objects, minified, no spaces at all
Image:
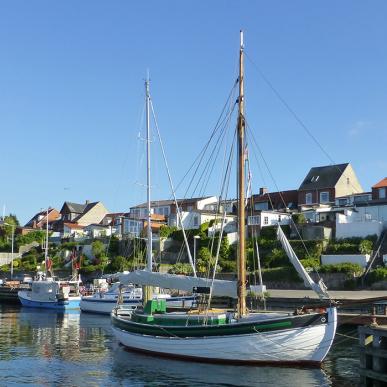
{"x":373,"y":355}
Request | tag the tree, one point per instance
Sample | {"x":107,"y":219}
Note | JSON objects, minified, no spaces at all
{"x":98,"y":249}
{"x":224,"y":251}
{"x":10,"y":223}
{"x":118,"y":263}
{"x":113,"y":247}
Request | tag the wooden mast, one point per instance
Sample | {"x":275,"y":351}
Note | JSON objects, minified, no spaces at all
{"x":147,"y":290}
{"x":241,"y":188}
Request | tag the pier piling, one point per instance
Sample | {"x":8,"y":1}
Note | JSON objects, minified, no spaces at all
{"x":373,"y":355}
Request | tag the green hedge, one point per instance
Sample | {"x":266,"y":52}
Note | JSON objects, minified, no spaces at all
{"x":379,"y":274}
{"x":181,"y":268}
{"x":352,"y":245}
{"x":347,"y":268}
{"x":270,"y":232}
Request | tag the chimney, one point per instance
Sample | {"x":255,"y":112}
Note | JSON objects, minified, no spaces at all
{"x":263,"y":191}
{"x":87,"y":202}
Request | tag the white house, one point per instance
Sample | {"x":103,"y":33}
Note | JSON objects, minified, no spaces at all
{"x":195,"y":218}
{"x":97,"y":230}
{"x":361,"y":221}
{"x":168,"y":207}
{"x":269,"y":218}
{"x":73,"y":230}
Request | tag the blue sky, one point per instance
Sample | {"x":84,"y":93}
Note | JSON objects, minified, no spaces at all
{"x":71,"y":91}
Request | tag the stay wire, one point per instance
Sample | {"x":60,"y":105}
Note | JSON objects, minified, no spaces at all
{"x":206,"y":145}
{"x":297,"y":118}
{"x":250,"y":132}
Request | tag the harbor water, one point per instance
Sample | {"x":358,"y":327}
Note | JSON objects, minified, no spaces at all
{"x":47,"y":348}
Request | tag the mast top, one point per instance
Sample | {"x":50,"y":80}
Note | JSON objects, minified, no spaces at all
{"x":241,"y":40}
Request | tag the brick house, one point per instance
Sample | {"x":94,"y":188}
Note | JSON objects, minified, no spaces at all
{"x":80,"y":214}
{"x":271,"y":201}
{"x":39,"y":221}
{"x":322,"y":185}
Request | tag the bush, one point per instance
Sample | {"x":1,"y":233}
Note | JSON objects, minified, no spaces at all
{"x":33,"y":236}
{"x":68,"y":246}
{"x":366,"y":246}
{"x":228,"y":266}
{"x":379,"y":274}
{"x":117,"y":264}
{"x":98,"y":249}
{"x":166,"y":231}
{"x":312,"y":263}
{"x":342,"y":248}
{"x":16,"y":263}
{"x":352,"y":245}
{"x":347,"y":268}
{"x":113,"y":246}
{"x":314,"y":248}
{"x":181,"y":268}
{"x":299,"y":218}
{"x":276,"y":258}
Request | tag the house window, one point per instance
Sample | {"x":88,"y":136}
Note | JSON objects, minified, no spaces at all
{"x":324,"y":197}
{"x":382,"y":193}
{"x":314,"y":179}
{"x":253,"y":220}
{"x":308,"y":198}
{"x":343,"y":202}
{"x":262,"y":206}
{"x":189,"y":208}
{"x":195,"y":221}
{"x":360,"y":199}
{"x":161,"y":210}
{"x":266,"y":220}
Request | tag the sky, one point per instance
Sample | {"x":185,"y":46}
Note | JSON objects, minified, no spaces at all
{"x":72,"y":92}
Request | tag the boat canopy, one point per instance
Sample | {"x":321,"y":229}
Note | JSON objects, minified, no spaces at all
{"x":221,"y":288}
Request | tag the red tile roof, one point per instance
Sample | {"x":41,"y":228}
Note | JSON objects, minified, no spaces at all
{"x":382,"y":183}
{"x":74,"y":226}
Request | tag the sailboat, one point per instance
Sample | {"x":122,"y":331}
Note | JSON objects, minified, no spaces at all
{"x":47,"y":292}
{"x":238,"y":337}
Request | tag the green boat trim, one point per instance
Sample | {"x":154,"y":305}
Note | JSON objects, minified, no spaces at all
{"x":226,"y":329}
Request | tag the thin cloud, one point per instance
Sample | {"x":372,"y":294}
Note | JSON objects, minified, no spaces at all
{"x":359,"y":127}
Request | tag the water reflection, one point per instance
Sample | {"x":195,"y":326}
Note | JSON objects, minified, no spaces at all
{"x":150,"y":370}
{"x":43,"y":347}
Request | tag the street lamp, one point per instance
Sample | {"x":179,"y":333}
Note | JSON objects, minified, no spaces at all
{"x":194,"y":256}
{"x":12,"y":242}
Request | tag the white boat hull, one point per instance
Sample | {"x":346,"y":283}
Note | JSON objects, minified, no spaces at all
{"x":304,"y":345}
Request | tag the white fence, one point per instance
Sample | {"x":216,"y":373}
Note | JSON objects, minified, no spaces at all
{"x":360,"y":259}
{"x":358,"y":229}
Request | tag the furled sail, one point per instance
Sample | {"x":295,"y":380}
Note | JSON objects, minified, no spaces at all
{"x":221,"y":288}
{"x":320,"y":287}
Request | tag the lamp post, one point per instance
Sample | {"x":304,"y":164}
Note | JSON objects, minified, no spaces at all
{"x":194,"y":255}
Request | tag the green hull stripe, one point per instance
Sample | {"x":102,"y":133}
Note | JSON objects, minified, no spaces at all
{"x":218,"y":330}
